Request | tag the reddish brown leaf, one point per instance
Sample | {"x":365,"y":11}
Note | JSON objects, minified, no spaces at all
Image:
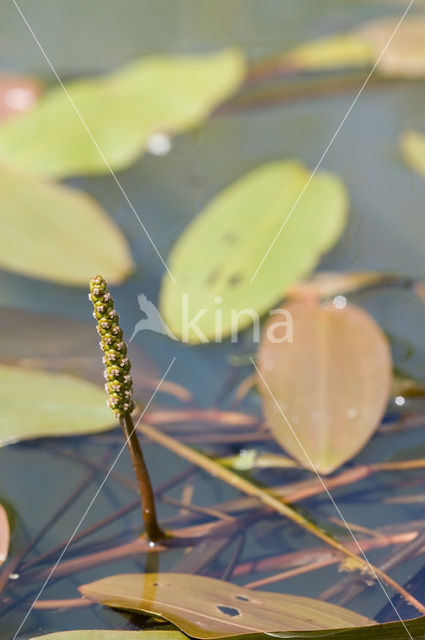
{"x":324,"y":393}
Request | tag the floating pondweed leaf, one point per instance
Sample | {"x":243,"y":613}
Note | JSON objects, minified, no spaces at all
{"x":331,"y":383}
{"x":412,"y":145}
{"x":56,"y":233}
{"x":215,"y":262}
{"x":366,"y":46}
{"x":341,"y":50}
{"x":208,"y":608}
{"x":37,"y":404}
{"x":17,"y":94}
{"x":100,"y":634}
{"x":4,"y":534}
{"x":121,"y":110}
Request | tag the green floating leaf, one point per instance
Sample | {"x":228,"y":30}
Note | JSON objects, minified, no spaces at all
{"x":56,"y":233}
{"x":208,"y":608}
{"x":121,"y":110}
{"x":215,"y":259}
{"x":37,"y":404}
{"x":366,"y":46}
{"x":341,"y":50}
{"x":100,"y":634}
{"x":412,"y":145}
{"x":329,"y":378}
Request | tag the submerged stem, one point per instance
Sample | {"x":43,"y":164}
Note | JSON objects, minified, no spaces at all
{"x":153,"y":530}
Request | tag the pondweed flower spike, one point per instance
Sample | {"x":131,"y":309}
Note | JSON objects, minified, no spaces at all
{"x":119,"y":387}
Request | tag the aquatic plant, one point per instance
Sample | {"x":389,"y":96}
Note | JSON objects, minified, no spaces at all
{"x":119,"y":387}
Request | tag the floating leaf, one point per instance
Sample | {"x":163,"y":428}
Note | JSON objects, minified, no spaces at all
{"x":4,"y":534}
{"x":341,"y":50}
{"x":412,"y":144}
{"x":100,"y":634}
{"x":121,"y":110}
{"x":37,"y":404}
{"x":215,"y":259}
{"x":56,"y":233}
{"x":17,"y":94}
{"x":332,"y":382}
{"x":405,"y":55}
{"x":366,"y":46}
{"x":208,"y":608}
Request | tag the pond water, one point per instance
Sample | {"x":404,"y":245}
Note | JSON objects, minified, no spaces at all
{"x":385,"y":233}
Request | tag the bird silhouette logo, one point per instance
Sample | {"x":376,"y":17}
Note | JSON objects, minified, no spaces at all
{"x":153,"y":320}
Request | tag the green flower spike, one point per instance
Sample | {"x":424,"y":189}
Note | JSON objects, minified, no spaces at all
{"x":119,"y":387}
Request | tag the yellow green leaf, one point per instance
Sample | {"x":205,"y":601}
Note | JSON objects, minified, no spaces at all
{"x":56,"y":233}
{"x":208,"y":608}
{"x":330,"y":380}
{"x":412,"y":145}
{"x":341,"y":50}
{"x":121,"y":110}
{"x":365,"y":46}
{"x":216,"y":262}
{"x":36,"y":404}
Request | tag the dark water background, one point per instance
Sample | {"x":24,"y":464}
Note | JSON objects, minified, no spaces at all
{"x":385,"y":233}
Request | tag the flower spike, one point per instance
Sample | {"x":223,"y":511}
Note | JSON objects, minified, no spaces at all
{"x":119,"y":384}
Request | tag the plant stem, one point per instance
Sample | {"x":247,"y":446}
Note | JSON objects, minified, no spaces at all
{"x":153,"y":530}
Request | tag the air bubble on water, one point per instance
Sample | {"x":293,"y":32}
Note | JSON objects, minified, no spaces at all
{"x":351,"y":413}
{"x":159,"y":144}
{"x":399,"y":401}
{"x":339,"y":302}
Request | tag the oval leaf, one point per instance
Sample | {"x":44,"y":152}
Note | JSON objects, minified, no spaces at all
{"x":366,"y":46}
{"x":56,"y":233}
{"x":4,"y":534}
{"x":412,"y":144}
{"x":208,"y":608}
{"x":100,"y":634}
{"x":37,"y":404}
{"x":215,"y":259}
{"x":341,"y":50}
{"x":332,"y":382}
{"x":121,"y":110}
